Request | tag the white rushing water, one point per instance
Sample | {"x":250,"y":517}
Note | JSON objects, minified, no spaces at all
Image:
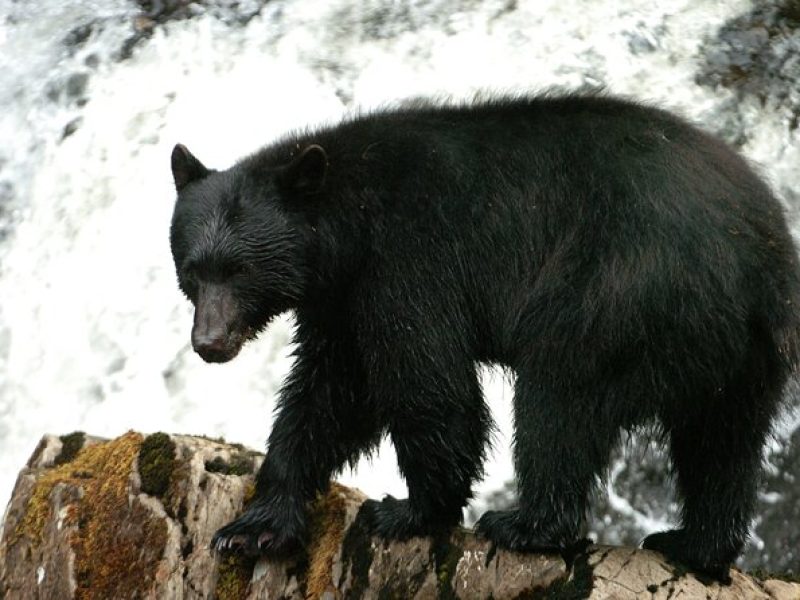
{"x":94,"y":334}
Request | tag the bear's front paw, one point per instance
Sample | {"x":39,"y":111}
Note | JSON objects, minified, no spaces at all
{"x":395,"y":519}
{"x":506,"y":530}
{"x":677,"y":545}
{"x":267,"y":527}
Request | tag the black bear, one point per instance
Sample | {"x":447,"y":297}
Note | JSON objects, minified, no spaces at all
{"x":630,"y":269}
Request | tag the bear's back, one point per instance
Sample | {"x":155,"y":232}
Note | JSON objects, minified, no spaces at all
{"x":578,"y":220}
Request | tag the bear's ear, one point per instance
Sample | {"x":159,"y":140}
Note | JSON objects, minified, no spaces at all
{"x":185,"y":167}
{"x":306,"y":173}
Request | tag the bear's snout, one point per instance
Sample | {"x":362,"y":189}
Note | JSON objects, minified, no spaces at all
{"x":213,"y":350}
{"x":214,"y":334}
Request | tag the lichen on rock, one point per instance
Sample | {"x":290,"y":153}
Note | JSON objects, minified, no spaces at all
{"x":116,"y":541}
{"x":84,"y":529}
{"x":327,"y":533}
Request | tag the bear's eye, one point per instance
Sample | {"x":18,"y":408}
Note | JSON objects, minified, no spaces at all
{"x":189,"y":274}
{"x":239,"y":270}
{"x":187,"y":281}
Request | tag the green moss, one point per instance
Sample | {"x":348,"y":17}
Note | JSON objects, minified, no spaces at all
{"x":71,"y":444}
{"x":81,"y":471}
{"x":117,"y":543}
{"x":249,"y":492}
{"x":233,"y":577}
{"x":447,"y":551}
{"x":217,"y":440}
{"x":179,"y":483}
{"x":241,"y":463}
{"x":156,"y":463}
{"x":764,"y":574}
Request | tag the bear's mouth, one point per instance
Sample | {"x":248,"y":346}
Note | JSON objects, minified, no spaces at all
{"x":219,"y":350}
{"x":223,"y":348}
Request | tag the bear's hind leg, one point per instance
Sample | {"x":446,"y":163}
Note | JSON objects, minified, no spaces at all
{"x":716,"y":448}
{"x":561,"y":447}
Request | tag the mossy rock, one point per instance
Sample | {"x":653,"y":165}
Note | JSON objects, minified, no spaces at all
{"x":156,"y":463}
{"x":71,"y":444}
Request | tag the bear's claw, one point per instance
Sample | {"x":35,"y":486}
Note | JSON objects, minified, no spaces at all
{"x":256,"y":532}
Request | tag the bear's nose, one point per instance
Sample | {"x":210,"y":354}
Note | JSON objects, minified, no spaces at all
{"x":214,"y":314}
{"x":211,"y":348}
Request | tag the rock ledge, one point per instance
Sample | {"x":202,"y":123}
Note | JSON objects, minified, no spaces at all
{"x":132,"y":518}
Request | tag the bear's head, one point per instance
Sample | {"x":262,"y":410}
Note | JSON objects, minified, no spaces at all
{"x":241,"y":254}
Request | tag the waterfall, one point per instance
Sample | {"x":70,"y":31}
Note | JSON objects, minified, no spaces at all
{"x":94,"y":334}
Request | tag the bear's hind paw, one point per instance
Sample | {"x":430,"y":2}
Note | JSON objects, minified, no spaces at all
{"x":677,"y":546}
{"x":505,"y":529}
{"x":394,"y":519}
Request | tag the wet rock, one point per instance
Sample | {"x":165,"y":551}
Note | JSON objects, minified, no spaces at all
{"x":157,"y":12}
{"x":71,"y":88}
{"x":639,"y":44}
{"x":79,"y":34}
{"x":779,"y":514}
{"x":76,"y":83}
{"x":7,"y":217}
{"x":386,"y":20}
{"x":758,"y":54}
{"x":644,"y":38}
{"x":234,"y":11}
{"x":163,"y":10}
{"x":637,"y":494}
{"x":92,"y":61}
{"x":71,"y":127}
{"x":80,"y":525}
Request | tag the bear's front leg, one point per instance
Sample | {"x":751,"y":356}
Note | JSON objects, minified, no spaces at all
{"x":324,"y":420}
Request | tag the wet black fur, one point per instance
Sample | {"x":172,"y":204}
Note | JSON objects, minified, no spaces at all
{"x":629,"y":268}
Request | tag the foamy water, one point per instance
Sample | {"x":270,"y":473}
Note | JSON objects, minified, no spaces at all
{"x":94,"y":334}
